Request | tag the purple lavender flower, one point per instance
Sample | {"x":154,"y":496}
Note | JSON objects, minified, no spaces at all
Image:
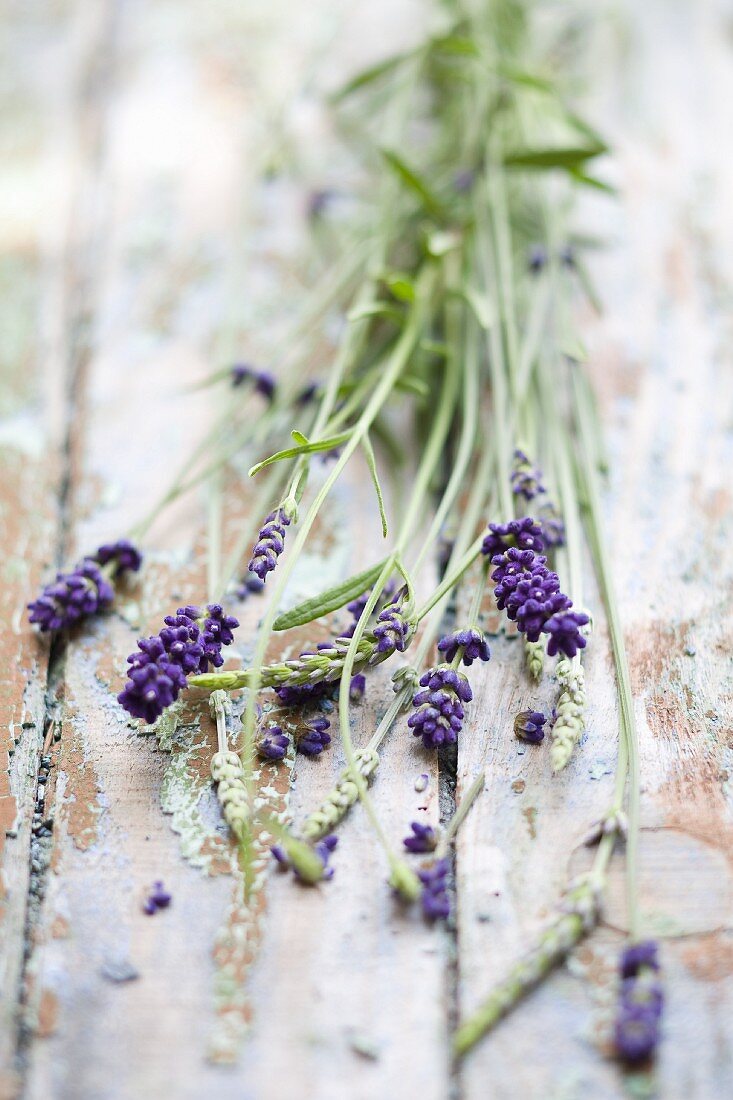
{"x":637,"y":955}
{"x":158,"y":898}
{"x":393,"y":629}
{"x":525,"y":534}
{"x":123,"y":553}
{"x":315,"y":739}
{"x":189,"y":642}
{"x":526,"y":479}
{"x":274,"y":744}
{"x":564,"y":631}
{"x":435,"y":899}
{"x":270,"y":544}
{"x":299,"y":694}
{"x":251,"y":585}
{"x":529,"y":726}
{"x":240,"y":372}
{"x":357,"y":687}
{"x":438,"y":717}
{"x":423,"y":838}
{"x":72,"y":597}
{"x":640,"y":1004}
{"x":472,"y":642}
{"x":530,"y":594}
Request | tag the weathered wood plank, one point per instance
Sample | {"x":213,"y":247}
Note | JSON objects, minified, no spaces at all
{"x":660,"y":364}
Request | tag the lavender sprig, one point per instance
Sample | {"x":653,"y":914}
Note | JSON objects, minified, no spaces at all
{"x":270,"y":543}
{"x":569,"y":723}
{"x":438,"y":716}
{"x":577,"y":916}
{"x":86,"y":590}
{"x":189,"y":642}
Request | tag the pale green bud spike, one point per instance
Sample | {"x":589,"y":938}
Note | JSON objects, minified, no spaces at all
{"x":340,"y":800}
{"x":534,"y":653}
{"x":570,"y":710}
{"x":404,"y":881}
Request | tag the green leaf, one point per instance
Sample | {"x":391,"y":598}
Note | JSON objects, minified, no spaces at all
{"x":527,"y":79}
{"x":455,"y":44}
{"x":330,"y":600}
{"x":369,"y":75}
{"x":409,"y":383}
{"x":303,"y":449}
{"x":569,"y":157}
{"x":413,"y":182}
{"x":400,"y":286}
{"x":372,"y":464}
{"x":593,"y":181}
{"x":300,"y":438}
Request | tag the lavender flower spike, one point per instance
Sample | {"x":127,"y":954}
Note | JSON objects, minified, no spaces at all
{"x":435,"y":900}
{"x":526,"y":479}
{"x":438,"y":717}
{"x":72,"y":597}
{"x":270,"y":543}
{"x":309,"y":863}
{"x":472,"y":642}
{"x":423,"y":838}
{"x":524,"y":534}
{"x":640,"y":1004}
{"x":189,"y":642}
{"x":393,"y":628}
{"x":86,"y":589}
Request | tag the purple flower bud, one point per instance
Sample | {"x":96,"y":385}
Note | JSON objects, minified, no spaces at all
{"x":240,"y":372}
{"x":263,"y":381}
{"x":314,"y":739}
{"x":525,"y":534}
{"x":274,"y":744}
{"x":526,"y":479}
{"x":564,"y":631}
{"x":423,"y":838}
{"x":357,"y":687}
{"x":472,"y":642}
{"x":159,"y":898}
{"x":393,"y":629}
{"x":125,"y":556}
{"x":438,"y":715}
{"x":308,"y":394}
{"x":270,"y":543}
{"x":529,"y":726}
{"x":637,"y":955}
{"x":435,"y":899}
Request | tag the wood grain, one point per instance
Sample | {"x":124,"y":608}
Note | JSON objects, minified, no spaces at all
{"x":143,"y":253}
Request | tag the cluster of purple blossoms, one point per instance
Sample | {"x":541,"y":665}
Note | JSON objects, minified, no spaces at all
{"x":190,"y":642}
{"x":528,"y":591}
{"x":529,"y":725}
{"x":314,"y":738}
{"x":270,"y":543}
{"x":472,"y":642}
{"x":392,"y":628}
{"x":158,"y":898}
{"x":423,"y":838}
{"x":86,"y":589}
{"x":297,"y":695}
{"x":274,"y":744}
{"x":323,"y":849}
{"x":264,"y":383}
{"x":435,"y":899}
{"x":438,"y":717}
{"x":526,"y":479}
{"x":640,"y":1004}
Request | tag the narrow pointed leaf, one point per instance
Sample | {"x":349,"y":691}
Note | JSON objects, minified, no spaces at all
{"x":330,"y":600}
{"x":372,"y":464}
{"x":413,"y":182}
{"x":303,"y":449}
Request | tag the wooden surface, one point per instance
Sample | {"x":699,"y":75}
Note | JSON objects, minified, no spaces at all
{"x":140,"y":252}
